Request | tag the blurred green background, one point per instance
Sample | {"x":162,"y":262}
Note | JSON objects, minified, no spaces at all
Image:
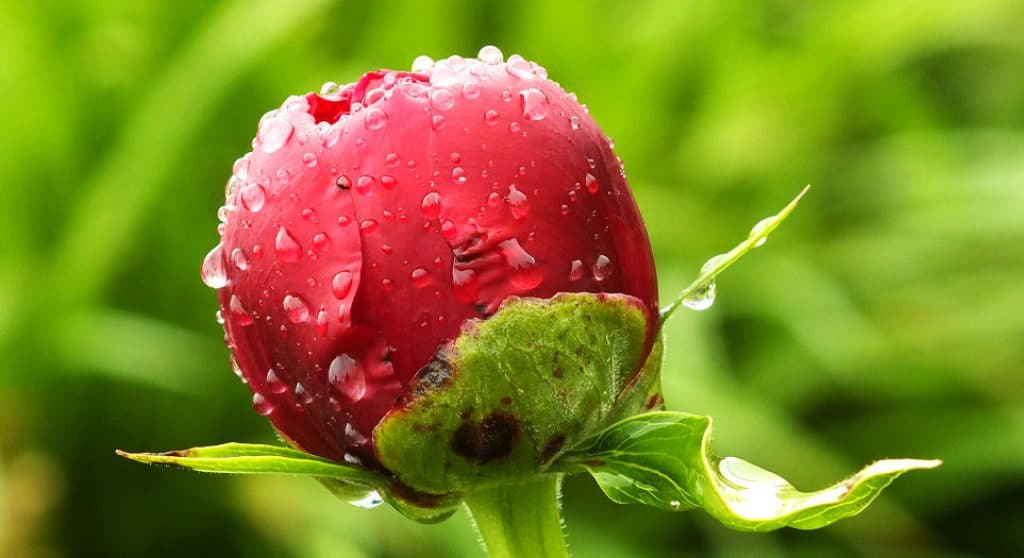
{"x":885,"y":318}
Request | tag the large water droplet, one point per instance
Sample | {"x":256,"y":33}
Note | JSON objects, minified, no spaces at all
{"x":321,"y":242}
{"x":370,"y":501}
{"x":576,"y":270}
{"x":239,"y":258}
{"x":442,"y":99}
{"x":759,"y":229}
{"x":465,"y":285}
{"x":295,"y":308}
{"x":262,"y":405}
{"x":341,"y":284}
{"x":253,"y":197}
{"x":593,"y":185}
{"x":535,"y":104}
{"x":524,"y":273}
{"x":348,"y":377}
{"x":286,"y":247}
{"x":420,"y":277}
{"x":375,"y":119}
{"x":518,"y":205}
{"x":238,"y":312}
{"x":431,"y":205}
{"x":274,"y":133}
{"x":701,"y":299}
{"x":519,"y":67}
{"x":602,"y":268}
{"x":490,"y":54}
{"x":423,"y":64}
{"x":213,"y":270}
{"x":303,"y":394}
{"x":274,"y":384}
{"x":363,"y":184}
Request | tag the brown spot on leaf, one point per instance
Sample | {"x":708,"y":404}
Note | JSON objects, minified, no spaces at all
{"x":558,"y":373}
{"x":506,"y":400}
{"x":656,"y":400}
{"x":492,"y":438}
{"x":552,"y":447}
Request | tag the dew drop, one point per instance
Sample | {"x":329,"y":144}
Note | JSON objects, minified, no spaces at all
{"x":341,"y":284}
{"x":295,"y":308}
{"x":309,"y":160}
{"x":286,"y":247}
{"x":602,"y":268}
{"x":213,"y":271}
{"x":519,"y":67}
{"x":423,"y":64}
{"x":517,"y":203}
{"x":420,"y":277}
{"x":701,"y":299}
{"x":253,"y":197}
{"x":442,"y":99}
{"x":368,"y":226}
{"x":448,"y":230}
{"x":262,"y":405}
{"x":303,"y":394}
{"x":368,"y":502}
{"x":375,"y":119}
{"x":524,"y":273}
{"x":491,"y":117}
{"x":321,"y":242}
{"x":574,"y":122}
{"x":343,"y":182}
{"x":593,"y":185}
{"x":465,"y":285}
{"x":535,"y":104}
{"x":347,"y":376}
{"x":322,"y":322}
{"x":490,"y":54}
{"x":459,"y":175}
{"x":238,"y":312}
{"x":239,"y":258}
{"x":431,"y":205}
{"x":391,"y":160}
{"x":388,"y":182}
{"x":363,"y":184}
{"x":274,"y":133}
{"x":437,"y":122}
{"x":576,"y":270}
{"x":274,"y":384}
{"x":760,"y":228}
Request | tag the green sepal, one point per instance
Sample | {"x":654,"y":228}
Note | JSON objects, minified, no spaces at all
{"x":349,"y":483}
{"x":663,"y":459}
{"x":515,"y":391}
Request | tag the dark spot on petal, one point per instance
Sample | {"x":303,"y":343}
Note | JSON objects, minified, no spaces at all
{"x":343,"y":182}
{"x":492,"y":438}
{"x":552,"y":447}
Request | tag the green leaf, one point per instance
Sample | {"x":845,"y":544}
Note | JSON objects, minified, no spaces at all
{"x":516,"y":390}
{"x":664,"y":459}
{"x":700,"y":294}
{"x":349,"y":483}
{"x":256,"y":459}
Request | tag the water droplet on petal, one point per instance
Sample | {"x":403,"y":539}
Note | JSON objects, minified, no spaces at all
{"x":321,"y":242}
{"x":524,"y":273}
{"x":593,"y":185}
{"x":348,"y":377}
{"x":437,"y":122}
{"x":274,"y":133}
{"x":388,"y":181}
{"x":574,"y":122}
{"x":391,"y":160}
{"x":253,"y":197}
{"x":465,"y":285}
{"x":431,"y":205}
{"x":423,"y":64}
{"x":303,"y":394}
{"x":375,"y":119}
{"x":442,"y":99}
{"x":602,"y":268}
{"x":238,"y":312}
{"x":701,"y":299}
{"x":363,"y":184}
{"x":420,"y":277}
{"x":343,"y":182}
{"x":274,"y":384}
{"x":459,"y":175}
{"x":239,"y":258}
{"x":490,"y":54}
{"x":535,"y":104}
{"x":213,"y":271}
{"x":309,"y":160}
{"x":517,"y":203}
{"x":576,"y":270}
{"x":262,"y":405}
{"x":491,"y":117}
{"x":519,"y":67}
{"x":286,"y":247}
{"x":341,"y":284}
{"x":296,"y":309}
{"x":368,"y":226}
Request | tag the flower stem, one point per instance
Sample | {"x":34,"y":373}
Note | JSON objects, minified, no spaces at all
{"x":520,"y":519}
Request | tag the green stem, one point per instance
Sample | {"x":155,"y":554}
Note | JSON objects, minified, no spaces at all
{"x":520,"y":519}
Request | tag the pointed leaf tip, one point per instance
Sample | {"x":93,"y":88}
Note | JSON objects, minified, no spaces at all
{"x":663,"y":459}
{"x":700,"y":294}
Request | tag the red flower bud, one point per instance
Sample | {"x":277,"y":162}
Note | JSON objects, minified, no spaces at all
{"x":371,"y":220}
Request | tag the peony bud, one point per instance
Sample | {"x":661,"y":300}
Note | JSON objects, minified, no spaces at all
{"x":377,"y":228}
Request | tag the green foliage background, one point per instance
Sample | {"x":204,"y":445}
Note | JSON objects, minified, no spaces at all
{"x":885,"y":319}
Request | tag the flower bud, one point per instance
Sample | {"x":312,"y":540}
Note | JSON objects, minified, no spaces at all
{"x":377,"y":228}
